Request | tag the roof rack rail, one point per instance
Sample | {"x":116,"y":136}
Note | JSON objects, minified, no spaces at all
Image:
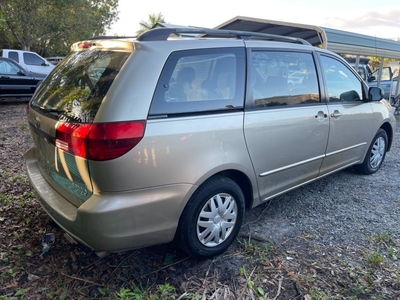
{"x":161,"y":34}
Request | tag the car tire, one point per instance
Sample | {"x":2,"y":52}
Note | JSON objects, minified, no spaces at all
{"x":212,"y":218}
{"x":375,"y":155}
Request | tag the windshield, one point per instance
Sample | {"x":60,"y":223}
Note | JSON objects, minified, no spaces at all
{"x":75,"y":90}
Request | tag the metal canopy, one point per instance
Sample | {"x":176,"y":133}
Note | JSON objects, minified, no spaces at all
{"x":334,"y":40}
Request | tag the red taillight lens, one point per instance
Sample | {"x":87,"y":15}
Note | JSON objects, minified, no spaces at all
{"x":84,"y":45}
{"x":99,"y":141}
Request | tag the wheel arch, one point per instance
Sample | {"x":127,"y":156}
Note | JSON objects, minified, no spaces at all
{"x":389,"y":132}
{"x":244,"y":183}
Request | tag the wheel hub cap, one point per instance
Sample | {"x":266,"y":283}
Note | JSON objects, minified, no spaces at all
{"x":216,"y":220}
{"x":378,"y":150}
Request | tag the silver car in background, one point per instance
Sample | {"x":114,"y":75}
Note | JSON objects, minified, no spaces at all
{"x":145,"y":141}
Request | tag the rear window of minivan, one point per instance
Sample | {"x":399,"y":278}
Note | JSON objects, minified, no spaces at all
{"x":77,"y":87}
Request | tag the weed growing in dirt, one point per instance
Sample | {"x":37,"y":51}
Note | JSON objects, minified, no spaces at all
{"x":375,"y":259}
{"x":392,"y":252}
{"x":385,"y":238}
{"x":125,"y":294}
{"x":258,"y":251}
{"x":23,"y":126}
{"x":258,"y":290}
{"x":317,"y":294}
{"x":165,"y":291}
{"x":5,"y":199}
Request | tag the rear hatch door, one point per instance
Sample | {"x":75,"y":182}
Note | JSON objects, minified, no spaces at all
{"x":62,"y":111}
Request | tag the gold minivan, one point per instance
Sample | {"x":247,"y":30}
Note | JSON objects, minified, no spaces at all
{"x":143,"y":141}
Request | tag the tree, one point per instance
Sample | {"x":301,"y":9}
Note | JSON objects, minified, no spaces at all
{"x":153,"y":20}
{"x":51,"y":26}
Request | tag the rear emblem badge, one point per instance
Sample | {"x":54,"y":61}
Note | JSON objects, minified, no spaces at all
{"x":36,"y":122}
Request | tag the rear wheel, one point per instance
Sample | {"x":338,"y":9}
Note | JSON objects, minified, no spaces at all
{"x":212,"y":218}
{"x":375,"y":155}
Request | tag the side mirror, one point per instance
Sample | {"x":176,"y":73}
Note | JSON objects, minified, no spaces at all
{"x":45,"y":65}
{"x":371,"y":78}
{"x":375,"y":94}
{"x":21,"y":73}
{"x":349,"y":96}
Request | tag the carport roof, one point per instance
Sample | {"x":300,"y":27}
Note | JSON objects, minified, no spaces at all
{"x":338,"y":41}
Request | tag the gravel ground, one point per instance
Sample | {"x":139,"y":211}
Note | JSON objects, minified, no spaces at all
{"x":341,"y":209}
{"x":315,"y":242}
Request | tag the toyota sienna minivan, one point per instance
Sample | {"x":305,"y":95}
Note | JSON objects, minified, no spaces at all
{"x":159,"y":138}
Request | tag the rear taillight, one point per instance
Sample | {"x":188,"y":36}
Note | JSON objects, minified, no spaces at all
{"x":84,"y":45}
{"x":99,"y":141}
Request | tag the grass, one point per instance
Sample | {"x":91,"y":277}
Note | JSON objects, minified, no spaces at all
{"x":265,"y":273}
{"x":375,"y":259}
{"x":23,"y":126}
{"x":266,"y":270}
{"x":385,"y":238}
{"x":163,"y":292}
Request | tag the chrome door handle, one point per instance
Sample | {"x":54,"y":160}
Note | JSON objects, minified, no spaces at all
{"x":336,"y":114}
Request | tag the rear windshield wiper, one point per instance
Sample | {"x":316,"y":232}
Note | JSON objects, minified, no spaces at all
{"x":49,"y":109}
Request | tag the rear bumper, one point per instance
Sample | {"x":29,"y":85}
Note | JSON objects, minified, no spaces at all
{"x":114,"y":222}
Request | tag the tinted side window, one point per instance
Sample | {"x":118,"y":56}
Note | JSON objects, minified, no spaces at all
{"x":13,"y":55}
{"x":283,"y":78}
{"x":7,"y":67}
{"x":33,"y":59}
{"x":200,"y":80}
{"x":342,"y":84}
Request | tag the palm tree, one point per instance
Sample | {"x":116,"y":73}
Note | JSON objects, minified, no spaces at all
{"x":153,"y":20}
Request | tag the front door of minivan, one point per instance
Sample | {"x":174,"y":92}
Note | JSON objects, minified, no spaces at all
{"x":286,"y":126}
{"x":350,"y":117}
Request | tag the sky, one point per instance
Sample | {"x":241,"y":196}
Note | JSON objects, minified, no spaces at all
{"x":376,"y":18}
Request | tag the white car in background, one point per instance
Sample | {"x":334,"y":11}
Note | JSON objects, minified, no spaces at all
{"x":30,"y":61}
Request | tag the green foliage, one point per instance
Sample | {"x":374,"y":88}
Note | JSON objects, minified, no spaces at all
{"x":23,"y":126}
{"x":127,"y":294}
{"x":318,"y":294}
{"x":384,"y":238}
{"x":153,"y":20}
{"x":5,"y":199}
{"x":258,"y":251}
{"x":375,"y":259}
{"x":20,"y":293}
{"x":166,"y":290}
{"x":376,"y":61}
{"x":49,"y":27}
{"x":397,"y":276}
{"x":251,"y":284}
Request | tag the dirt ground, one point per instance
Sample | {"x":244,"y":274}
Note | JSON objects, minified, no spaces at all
{"x":290,"y":248}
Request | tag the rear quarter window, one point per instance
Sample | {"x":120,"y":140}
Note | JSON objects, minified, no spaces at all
{"x":194,"y":81}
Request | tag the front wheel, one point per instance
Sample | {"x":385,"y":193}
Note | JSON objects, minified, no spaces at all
{"x":375,"y":155}
{"x":212,"y":218}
